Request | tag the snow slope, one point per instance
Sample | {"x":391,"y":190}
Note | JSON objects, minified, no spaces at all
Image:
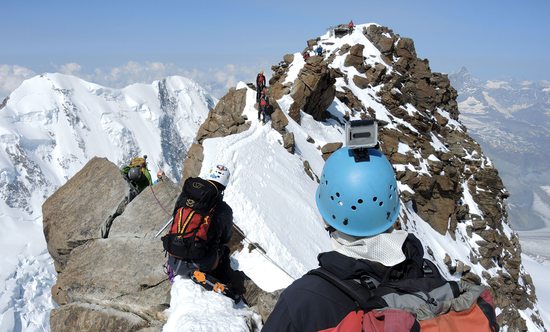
{"x":51,"y":126}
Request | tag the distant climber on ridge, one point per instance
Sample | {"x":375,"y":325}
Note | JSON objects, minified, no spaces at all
{"x":305,"y":55}
{"x":201,"y":228}
{"x":359,"y":202}
{"x":260,"y":85}
{"x":160,"y":176}
{"x":264,"y":107}
{"x":319,"y":50}
{"x":137,"y":175}
{"x":351,"y":26}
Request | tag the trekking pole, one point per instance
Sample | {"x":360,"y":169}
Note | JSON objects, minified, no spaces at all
{"x":164,"y":227}
{"x":262,"y":252}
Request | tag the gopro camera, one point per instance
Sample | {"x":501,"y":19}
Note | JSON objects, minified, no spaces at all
{"x":362,"y":134}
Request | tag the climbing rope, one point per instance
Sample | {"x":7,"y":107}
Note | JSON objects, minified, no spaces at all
{"x":262,"y":251}
{"x":159,"y":203}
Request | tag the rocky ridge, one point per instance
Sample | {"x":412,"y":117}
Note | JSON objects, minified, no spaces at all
{"x":448,"y":180}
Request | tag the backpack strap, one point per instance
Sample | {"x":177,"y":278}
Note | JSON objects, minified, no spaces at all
{"x":343,"y":286}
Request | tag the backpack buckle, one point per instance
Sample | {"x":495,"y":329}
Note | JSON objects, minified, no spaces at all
{"x":426,"y":269}
{"x":368,"y":282}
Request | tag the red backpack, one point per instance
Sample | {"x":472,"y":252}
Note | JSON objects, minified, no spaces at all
{"x":264,"y":101}
{"x":187,"y":238}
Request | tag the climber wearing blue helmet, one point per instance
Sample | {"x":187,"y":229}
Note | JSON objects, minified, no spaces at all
{"x":358,"y":200}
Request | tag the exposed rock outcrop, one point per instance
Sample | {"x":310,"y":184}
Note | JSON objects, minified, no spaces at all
{"x":112,"y":283}
{"x":314,"y":90}
{"x":226,"y":118}
{"x":69,"y":210}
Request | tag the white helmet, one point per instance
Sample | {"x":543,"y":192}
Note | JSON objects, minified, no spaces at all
{"x":220,"y":174}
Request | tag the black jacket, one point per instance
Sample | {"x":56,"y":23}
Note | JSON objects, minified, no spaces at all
{"x":312,"y":303}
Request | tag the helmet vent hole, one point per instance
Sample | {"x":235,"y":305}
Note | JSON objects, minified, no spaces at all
{"x":333,"y":217}
{"x":374,"y":199}
{"x":332,"y":197}
{"x":337,"y":194}
{"x":326,"y":182}
{"x":360,"y":201}
{"x":388,"y":215}
{"x":391,"y":186}
{"x":381,"y":203}
{"x":346,"y":221}
{"x":391,"y":196}
{"x":353,"y":207}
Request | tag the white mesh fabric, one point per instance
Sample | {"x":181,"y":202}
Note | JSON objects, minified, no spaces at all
{"x":383,"y":248}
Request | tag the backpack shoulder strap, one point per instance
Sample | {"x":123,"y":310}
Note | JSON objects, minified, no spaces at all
{"x":359,"y":299}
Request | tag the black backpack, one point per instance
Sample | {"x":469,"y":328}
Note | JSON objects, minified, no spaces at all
{"x":187,"y":237}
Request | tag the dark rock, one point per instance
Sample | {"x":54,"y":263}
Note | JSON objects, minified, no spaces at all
{"x":313,"y":91}
{"x":226,"y":118}
{"x":375,"y":74}
{"x":193,"y":162}
{"x":329,"y":148}
{"x":288,"y":58}
{"x":288,"y":142}
{"x":361,"y":82}
{"x":355,"y":58}
{"x":312,"y":42}
{"x":471,"y":277}
{"x":350,"y":100}
{"x":405,"y":48}
{"x":279,"y":120}
{"x":264,"y":301}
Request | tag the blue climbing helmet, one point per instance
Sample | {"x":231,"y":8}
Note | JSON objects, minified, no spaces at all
{"x":358,"y":198}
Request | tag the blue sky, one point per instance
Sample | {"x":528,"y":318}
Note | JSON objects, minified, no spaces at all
{"x":232,"y":39}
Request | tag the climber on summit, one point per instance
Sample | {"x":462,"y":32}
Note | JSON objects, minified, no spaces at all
{"x":260,"y":85}
{"x":359,"y":202}
{"x":351,"y":26}
{"x":201,"y":229}
{"x":137,"y":175}
{"x":264,"y":107}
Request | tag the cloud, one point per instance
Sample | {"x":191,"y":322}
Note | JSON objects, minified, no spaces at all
{"x":70,"y":69}
{"x":219,"y":80}
{"x":214,"y":80}
{"x":11,"y":76}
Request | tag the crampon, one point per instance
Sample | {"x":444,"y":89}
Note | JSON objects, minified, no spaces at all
{"x":212,"y":284}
